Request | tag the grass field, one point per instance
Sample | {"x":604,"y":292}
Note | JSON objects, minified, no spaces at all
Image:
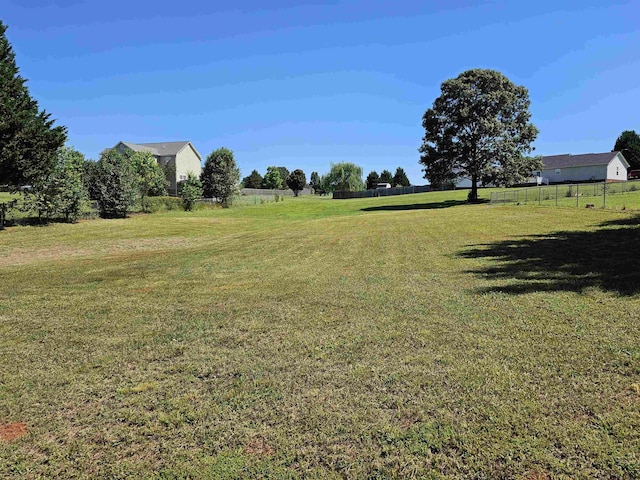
{"x":409,"y":336}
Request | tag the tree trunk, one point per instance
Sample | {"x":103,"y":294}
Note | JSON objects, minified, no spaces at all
{"x":473,"y":194}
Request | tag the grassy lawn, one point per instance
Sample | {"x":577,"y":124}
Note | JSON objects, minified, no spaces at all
{"x":409,"y":336}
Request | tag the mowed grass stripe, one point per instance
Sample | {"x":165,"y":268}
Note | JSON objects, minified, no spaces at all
{"x":314,"y":338}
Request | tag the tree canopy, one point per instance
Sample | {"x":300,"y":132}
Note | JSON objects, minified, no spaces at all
{"x":116,"y":185}
{"x":150,"y":178}
{"x":344,"y":176}
{"x":272,"y":178}
{"x":372,"y":180}
{"x":315,"y":182}
{"x":629,"y":144}
{"x":190,"y":191}
{"x":220,"y":176}
{"x":254,"y":180}
{"x":386,"y":177}
{"x":296,"y":181}
{"x":400,"y":178}
{"x":28,"y":140}
{"x":479,"y":128}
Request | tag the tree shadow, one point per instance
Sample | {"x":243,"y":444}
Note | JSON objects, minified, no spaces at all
{"x":416,"y":206}
{"x":565,"y":261}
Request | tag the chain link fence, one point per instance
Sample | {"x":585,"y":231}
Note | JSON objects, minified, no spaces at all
{"x":596,"y":195}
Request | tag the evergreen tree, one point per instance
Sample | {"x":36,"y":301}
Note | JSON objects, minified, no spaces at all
{"x":252,"y":181}
{"x":314,"y":182}
{"x":372,"y":180}
{"x":400,"y":178}
{"x":629,"y":144}
{"x":386,"y":177}
{"x":28,"y":140}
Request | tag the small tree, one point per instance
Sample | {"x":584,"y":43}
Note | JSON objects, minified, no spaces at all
{"x":72,"y":190}
{"x":190,"y":191}
{"x":252,"y":181}
{"x":372,"y":180}
{"x":272,"y":178}
{"x":386,"y":177}
{"x":400,"y":178}
{"x":314,"y":182}
{"x":284,"y":173}
{"x":61,"y":192}
{"x":344,"y":176}
{"x":220,"y":176}
{"x":150,"y":177}
{"x":478,"y":125}
{"x":296,"y":181}
{"x":629,"y":144}
{"x":116,"y":186}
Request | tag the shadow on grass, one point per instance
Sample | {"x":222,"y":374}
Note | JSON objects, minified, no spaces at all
{"x":566,"y":261}
{"x":416,"y":206}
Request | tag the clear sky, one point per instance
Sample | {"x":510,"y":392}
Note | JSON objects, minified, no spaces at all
{"x":304,"y":84}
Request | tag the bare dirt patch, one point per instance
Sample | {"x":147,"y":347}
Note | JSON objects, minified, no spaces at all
{"x":258,"y":446}
{"x":12,"y":431}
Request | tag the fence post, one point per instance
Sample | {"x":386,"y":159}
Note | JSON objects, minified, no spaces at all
{"x":604,"y":194}
{"x":577,"y":194}
{"x":526,"y":194}
{"x":539,"y":195}
{"x":3,"y":207}
{"x":556,"y":195}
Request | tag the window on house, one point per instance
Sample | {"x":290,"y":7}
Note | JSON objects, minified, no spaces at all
{"x":558,"y":171}
{"x":617,"y":172}
{"x":183,"y":177}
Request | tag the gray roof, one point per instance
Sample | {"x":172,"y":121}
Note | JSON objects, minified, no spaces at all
{"x":160,"y":148}
{"x":584,"y":160}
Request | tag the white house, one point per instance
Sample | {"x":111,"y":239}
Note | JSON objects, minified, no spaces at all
{"x":177,"y":158}
{"x":609,"y":166}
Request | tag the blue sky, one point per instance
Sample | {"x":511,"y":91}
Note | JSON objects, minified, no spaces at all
{"x":304,"y":84}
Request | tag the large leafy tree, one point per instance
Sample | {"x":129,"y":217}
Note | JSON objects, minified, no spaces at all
{"x":29,"y":142}
{"x":252,"y":181}
{"x":220,"y":176}
{"x":479,"y":128}
{"x":372,"y":180}
{"x":296,"y":181}
{"x":343,"y":176}
{"x":629,"y":144}
{"x":400,"y":178}
{"x":272,"y":178}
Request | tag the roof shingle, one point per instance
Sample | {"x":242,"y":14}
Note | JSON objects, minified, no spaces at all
{"x":583,"y":160}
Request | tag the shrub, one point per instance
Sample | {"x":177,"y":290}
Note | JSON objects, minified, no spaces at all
{"x":191,"y":191}
{"x":163,"y":204}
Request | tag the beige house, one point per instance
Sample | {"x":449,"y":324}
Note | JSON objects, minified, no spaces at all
{"x":178,"y":159}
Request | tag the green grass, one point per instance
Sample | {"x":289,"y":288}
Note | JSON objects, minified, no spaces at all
{"x":394,"y":337}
